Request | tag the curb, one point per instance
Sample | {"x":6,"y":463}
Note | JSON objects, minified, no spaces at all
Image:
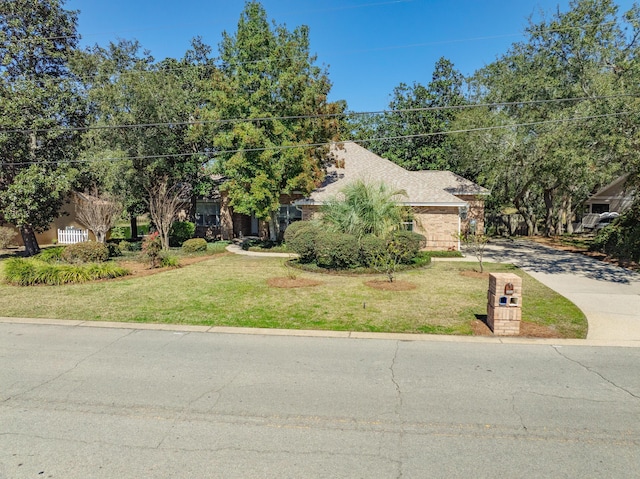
{"x":323,"y":334}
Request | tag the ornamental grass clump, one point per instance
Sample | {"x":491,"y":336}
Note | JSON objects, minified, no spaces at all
{"x":33,"y":271}
{"x":51,"y":255}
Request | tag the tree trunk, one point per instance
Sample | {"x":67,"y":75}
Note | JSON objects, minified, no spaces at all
{"x":31,"y":246}
{"x":226,"y":219}
{"x":133,"y":221}
{"x":273,"y":227}
{"x":549,"y":229}
{"x":569,"y":213}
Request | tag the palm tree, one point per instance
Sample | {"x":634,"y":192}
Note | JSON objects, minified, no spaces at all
{"x":365,"y":209}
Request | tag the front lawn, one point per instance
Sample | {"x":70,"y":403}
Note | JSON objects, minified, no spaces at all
{"x":232,"y":290}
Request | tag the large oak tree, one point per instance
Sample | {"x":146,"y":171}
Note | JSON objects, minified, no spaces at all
{"x":40,"y":107}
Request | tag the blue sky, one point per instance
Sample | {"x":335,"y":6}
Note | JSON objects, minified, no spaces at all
{"x":369,"y":46}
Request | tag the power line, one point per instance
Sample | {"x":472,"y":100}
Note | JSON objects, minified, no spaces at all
{"x":209,"y":154}
{"x":314,"y":116}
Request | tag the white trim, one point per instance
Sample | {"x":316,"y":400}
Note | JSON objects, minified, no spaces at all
{"x":459,"y":231}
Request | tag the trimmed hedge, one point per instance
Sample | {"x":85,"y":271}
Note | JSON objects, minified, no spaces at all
{"x":86,"y":252}
{"x":300,"y":237}
{"x":371,"y":248}
{"x":194,"y":245}
{"x":407,"y":244}
{"x":334,"y":250}
{"x":337,"y":251}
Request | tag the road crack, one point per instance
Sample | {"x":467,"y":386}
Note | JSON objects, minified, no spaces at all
{"x":593,"y":371}
{"x":72,"y":368}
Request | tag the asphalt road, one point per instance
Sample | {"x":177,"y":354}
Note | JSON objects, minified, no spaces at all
{"x":84,"y":402}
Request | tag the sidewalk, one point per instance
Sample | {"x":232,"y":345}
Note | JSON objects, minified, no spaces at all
{"x":608,"y":295}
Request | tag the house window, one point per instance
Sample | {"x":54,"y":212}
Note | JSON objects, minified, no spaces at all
{"x":287,"y":215}
{"x":407,"y":225}
{"x":599,"y":208}
{"x":207,"y":213}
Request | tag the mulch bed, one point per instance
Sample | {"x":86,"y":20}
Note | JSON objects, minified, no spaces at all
{"x":286,"y":282}
{"x":472,"y":273}
{"x":139,"y":269}
{"x":388,"y":286}
{"x":527,"y":330}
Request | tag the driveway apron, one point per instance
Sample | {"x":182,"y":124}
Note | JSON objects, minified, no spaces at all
{"x":608,"y":295}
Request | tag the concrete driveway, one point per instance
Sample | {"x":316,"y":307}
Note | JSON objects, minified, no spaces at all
{"x":608,"y":295}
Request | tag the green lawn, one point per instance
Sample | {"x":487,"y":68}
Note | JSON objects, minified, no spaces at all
{"x":232,"y":291}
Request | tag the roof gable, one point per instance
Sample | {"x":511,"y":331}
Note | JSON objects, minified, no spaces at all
{"x":352,"y":162}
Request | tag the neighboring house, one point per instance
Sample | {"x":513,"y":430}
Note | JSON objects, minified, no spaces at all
{"x":443,"y":203}
{"x":614,"y":197}
{"x":65,"y":220}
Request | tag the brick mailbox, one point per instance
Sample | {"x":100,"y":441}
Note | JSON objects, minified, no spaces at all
{"x":504,"y":307}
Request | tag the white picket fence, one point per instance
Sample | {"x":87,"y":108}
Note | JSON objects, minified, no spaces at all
{"x":72,"y":235}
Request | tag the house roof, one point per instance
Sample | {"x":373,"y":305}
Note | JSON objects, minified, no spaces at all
{"x":451,"y":183}
{"x":423,"y":188}
{"x":615,"y":189}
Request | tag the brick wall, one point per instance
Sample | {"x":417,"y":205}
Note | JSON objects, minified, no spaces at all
{"x":475,"y":211}
{"x":438,"y":224}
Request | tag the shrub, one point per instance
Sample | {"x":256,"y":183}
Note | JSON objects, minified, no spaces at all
{"x":337,"y":250}
{"x":406,"y":244}
{"x":194,"y":245}
{"x":168,"y":260}
{"x":180,"y":232}
{"x":32,"y":271}
{"x":151,"y":248}
{"x":114,"y":250}
{"x":86,"y":252}
{"x":118,"y":232}
{"x":622,"y":237}
{"x":300,"y":238}
{"x":371,"y":248}
{"x":7,"y":235}
{"x":130,"y":246}
{"x":51,"y":254}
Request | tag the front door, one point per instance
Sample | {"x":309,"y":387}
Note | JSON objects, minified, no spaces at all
{"x":255,"y":230}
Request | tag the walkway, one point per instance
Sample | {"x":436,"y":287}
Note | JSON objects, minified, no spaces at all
{"x":608,"y":295}
{"x":236,"y":249}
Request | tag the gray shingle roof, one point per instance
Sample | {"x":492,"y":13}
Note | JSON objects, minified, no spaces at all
{"x":423,"y":188}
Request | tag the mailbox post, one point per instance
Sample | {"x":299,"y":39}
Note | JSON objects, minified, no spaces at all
{"x":504,"y":308}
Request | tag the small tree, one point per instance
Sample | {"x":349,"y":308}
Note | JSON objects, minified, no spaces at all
{"x":164,"y":202}
{"x":476,"y":243}
{"x":387,"y":261}
{"x":97,"y":212}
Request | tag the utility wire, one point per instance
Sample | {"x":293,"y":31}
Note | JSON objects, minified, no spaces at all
{"x":315,"y":116}
{"x":210,"y":154}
